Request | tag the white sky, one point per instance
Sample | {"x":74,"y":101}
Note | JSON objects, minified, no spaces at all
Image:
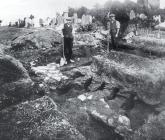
{"x":13,"y":9}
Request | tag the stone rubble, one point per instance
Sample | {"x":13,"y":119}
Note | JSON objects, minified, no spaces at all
{"x":50,"y":72}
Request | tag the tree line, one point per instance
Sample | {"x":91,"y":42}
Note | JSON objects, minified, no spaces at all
{"x":121,"y":10}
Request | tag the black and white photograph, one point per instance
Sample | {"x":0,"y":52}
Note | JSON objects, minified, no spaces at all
{"x":82,"y":69}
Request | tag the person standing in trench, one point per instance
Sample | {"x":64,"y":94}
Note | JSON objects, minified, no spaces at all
{"x":113,"y":26}
{"x":68,"y":40}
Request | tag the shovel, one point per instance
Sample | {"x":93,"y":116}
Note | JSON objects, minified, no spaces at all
{"x":63,"y":60}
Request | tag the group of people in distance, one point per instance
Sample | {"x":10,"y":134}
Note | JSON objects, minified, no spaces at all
{"x":113,"y":27}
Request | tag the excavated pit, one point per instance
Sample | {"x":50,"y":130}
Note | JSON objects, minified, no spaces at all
{"x":79,"y":90}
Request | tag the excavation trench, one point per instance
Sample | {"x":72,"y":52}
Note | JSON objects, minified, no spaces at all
{"x":78,"y":90}
{"x":65,"y":93}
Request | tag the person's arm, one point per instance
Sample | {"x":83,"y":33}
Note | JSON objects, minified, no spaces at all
{"x":118,"y":28}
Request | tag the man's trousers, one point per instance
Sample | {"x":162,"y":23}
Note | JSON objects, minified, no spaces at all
{"x":68,"y":44}
{"x":113,"y":41}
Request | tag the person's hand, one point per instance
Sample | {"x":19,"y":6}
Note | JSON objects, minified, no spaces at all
{"x":116,"y":35}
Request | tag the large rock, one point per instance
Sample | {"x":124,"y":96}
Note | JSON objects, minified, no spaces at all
{"x":37,"y":39}
{"x":7,"y":34}
{"x":36,"y":120}
{"x":144,"y":76}
{"x":15,"y":83}
{"x":38,"y":47}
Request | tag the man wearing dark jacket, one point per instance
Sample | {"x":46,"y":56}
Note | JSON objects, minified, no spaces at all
{"x":68,"y":40}
{"x":113,"y":27}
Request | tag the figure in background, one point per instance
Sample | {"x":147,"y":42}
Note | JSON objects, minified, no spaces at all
{"x":113,"y":26}
{"x":68,"y":40}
